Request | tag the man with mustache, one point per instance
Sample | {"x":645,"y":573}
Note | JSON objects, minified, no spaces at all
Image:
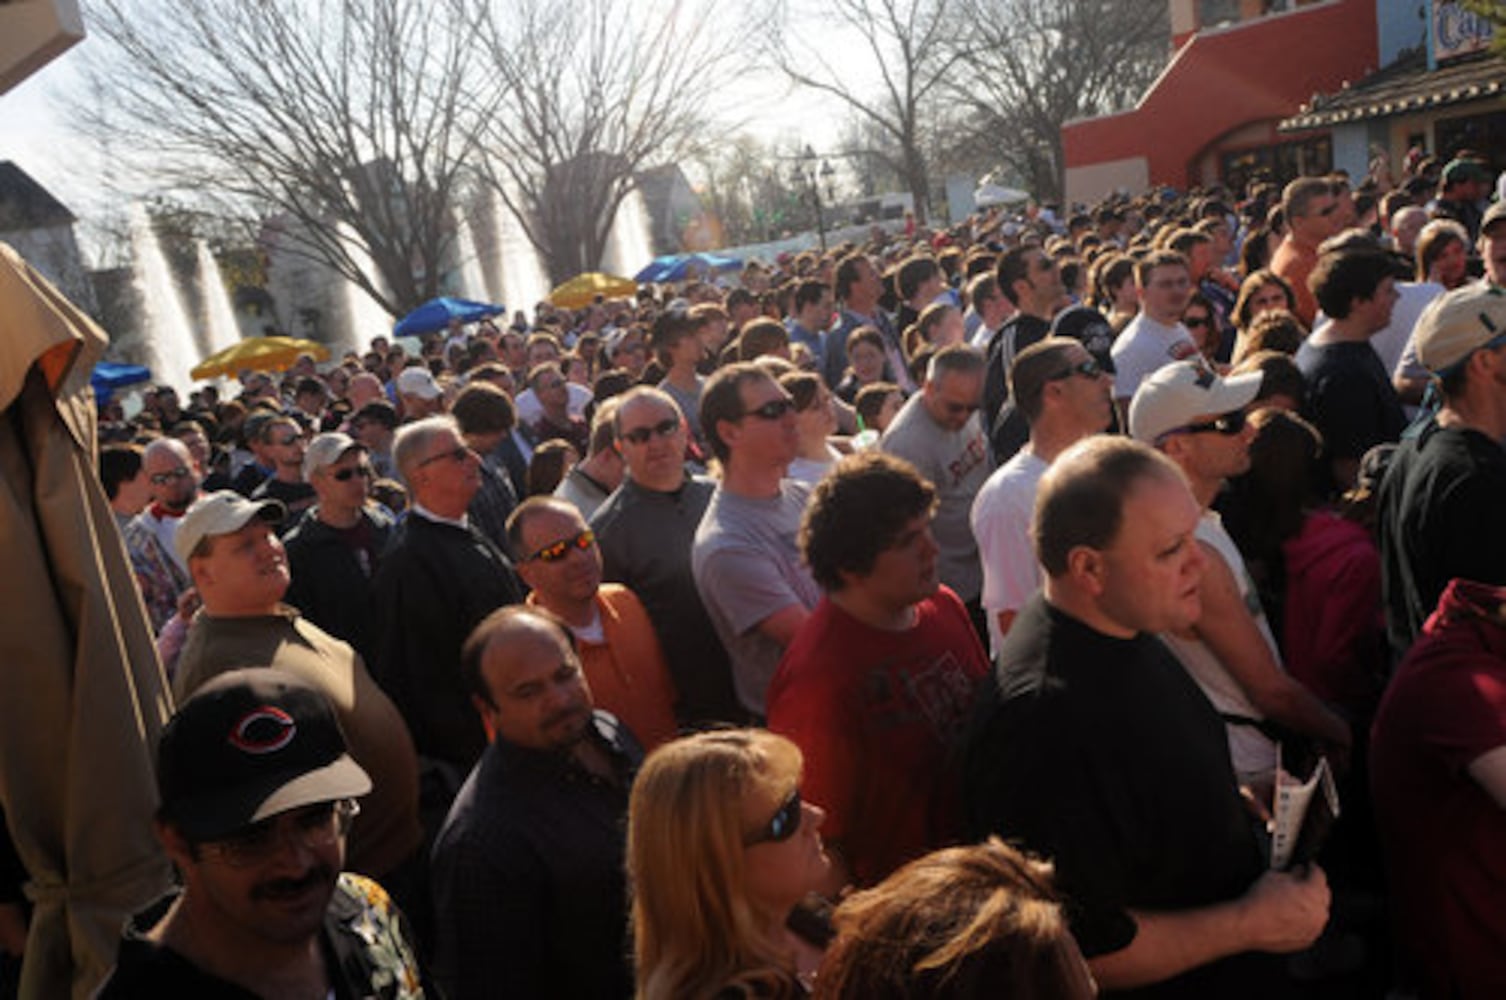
{"x":258,"y":793}
{"x":529,"y":891}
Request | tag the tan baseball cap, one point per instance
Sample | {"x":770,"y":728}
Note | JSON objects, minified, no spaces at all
{"x":1458,"y":323}
{"x":220,"y":513}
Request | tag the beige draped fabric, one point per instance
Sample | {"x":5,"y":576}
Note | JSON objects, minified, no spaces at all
{"x":82,"y":693}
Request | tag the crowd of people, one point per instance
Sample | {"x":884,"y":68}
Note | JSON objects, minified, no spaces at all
{"x":931,"y":617}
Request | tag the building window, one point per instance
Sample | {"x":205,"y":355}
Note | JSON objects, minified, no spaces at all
{"x":1278,"y":163}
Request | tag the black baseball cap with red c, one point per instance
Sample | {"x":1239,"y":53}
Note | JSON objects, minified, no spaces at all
{"x":248,"y":745}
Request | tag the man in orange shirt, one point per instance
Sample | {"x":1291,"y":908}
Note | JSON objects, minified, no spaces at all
{"x":1311,"y":217}
{"x":619,"y":650}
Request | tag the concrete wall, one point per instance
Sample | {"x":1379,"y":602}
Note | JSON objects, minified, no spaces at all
{"x":53,"y":251}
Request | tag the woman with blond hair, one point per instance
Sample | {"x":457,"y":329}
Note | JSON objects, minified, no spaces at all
{"x":722,"y":857}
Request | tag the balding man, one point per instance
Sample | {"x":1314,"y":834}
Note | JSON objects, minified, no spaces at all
{"x":1095,"y":749}
{"x":559,"y":560}
{"x":160,"y":574}
{"x":939,"y":432}
{"x":646,"y":530}
{"x":529,"y":888}
{"x":439,"y":578}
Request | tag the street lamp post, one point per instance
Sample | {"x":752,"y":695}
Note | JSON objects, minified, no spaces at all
{"x":807,"y":174}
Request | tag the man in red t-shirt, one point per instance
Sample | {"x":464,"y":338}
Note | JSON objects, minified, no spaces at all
{"x":1438,"y":771}
{"x":877,"y":685}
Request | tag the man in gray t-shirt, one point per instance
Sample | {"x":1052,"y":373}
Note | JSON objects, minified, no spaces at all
{"x":938,"y":431}
{"x":746,"y":562}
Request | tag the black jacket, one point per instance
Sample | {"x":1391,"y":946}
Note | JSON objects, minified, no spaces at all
{"x":332,"y":581}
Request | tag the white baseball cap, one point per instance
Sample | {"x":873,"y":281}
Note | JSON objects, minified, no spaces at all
{"x":1174,"y":395}
{"x":417,"y":381}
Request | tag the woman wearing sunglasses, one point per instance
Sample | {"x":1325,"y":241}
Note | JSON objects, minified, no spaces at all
{"x":723,"y":856}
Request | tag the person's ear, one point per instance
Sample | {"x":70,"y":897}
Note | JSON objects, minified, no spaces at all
{"x":1087,"y":569}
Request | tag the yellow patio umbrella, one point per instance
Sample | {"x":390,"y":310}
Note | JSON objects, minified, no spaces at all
{"x":581,"y":290}
{"x":262,"y":354}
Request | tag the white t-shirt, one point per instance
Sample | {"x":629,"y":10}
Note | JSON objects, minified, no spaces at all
{"x":1146,"y":346}
{"x":1253,"y":753}
{"x":529,"y":409}
{"x":1000,"y":520}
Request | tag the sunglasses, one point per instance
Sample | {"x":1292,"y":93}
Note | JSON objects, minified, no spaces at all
{"x":163,"y":478}
{"x":555,"y":551}
{"x":344,"y":475}
{"x":1087,"y":369}
{"x":1229,"y":424}
{"x":1194,"y":322}
{"x":285,"y":442}
{"x":774,"y":409}
{"x":459,"y":454}
{"x":641,"y":435}
{"x":782,"y":827}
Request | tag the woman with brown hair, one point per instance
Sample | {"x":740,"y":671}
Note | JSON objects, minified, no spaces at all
{"x":722,"y":856}
{"x":966,"y":922}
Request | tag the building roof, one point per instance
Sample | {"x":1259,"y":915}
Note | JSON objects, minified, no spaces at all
{"x":1404,"y":86}
{"x":25,"y":204}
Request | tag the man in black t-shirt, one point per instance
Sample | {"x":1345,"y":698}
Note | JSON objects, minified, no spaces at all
{"x":1440,"y":503}
{"x":1031,"y":280}
{"x":1096,"y":750}
{"x":1350,"y":398}
{"x":283,"y":441}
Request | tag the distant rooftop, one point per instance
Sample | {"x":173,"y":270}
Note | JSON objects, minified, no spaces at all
{"x":25,"y":204}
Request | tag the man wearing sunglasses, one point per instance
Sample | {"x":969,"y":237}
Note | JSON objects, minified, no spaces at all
{"x":746,"y":564}
{"x":1064,"y":395}
{"x":241,"y":573}
{"x":439,"y":578}
{"x":284,"y":440}
{"x":619,"y":651}
{"x":1198,"y":421}
{"x":938,"y":431}
{"x":1311,"y":210}
{"x":160,"y":575}
{"x":334,"y":549}
{"x":645,"y":531}
{"x":258,"y":793}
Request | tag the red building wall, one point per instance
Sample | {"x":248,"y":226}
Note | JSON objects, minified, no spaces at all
{"x":1229,"y":77}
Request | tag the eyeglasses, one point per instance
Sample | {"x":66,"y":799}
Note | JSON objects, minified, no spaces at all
{"x":285,"y":442}
{"x":163,"y":478}
{"x":317,"y":826}
{"x":782,"y":827}
{"x":555,"y":551}
{"x":1195,"y":322}
{"x":344,"y":475}
{"x":774,"y":409}
{"x":1089,"y":368}
{"x":460,"y":454}
{"x":1229,"y":424}
{"x":641,"y":435}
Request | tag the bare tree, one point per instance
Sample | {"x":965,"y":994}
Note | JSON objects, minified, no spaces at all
{"x":1031,"y":65}
{"x":907,"y":44}
{"x":587,"y":93}
{"x":345,"y":121}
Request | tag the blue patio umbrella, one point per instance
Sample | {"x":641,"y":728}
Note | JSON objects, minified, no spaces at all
{"x":437,"y":313}
{"x":677,"y":267}
{"x":107,"y":377}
